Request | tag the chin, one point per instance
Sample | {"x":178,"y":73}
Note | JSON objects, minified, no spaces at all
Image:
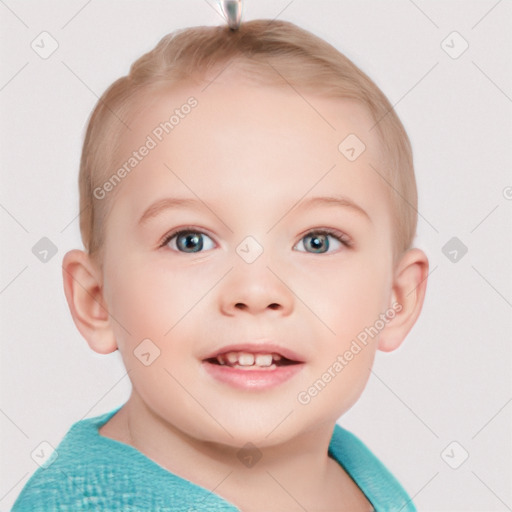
{"x":262,"y":430}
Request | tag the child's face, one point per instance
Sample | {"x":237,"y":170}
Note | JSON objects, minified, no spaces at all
{"x":249,"y":160}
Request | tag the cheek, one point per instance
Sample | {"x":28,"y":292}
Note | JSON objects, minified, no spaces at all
{"x":355,"y":298}
{"x":337,"y":386}
{"x":150,"y":306}
{"x":347,"y":295}
{"x":350,"y":302}
{"x":148,"y":298}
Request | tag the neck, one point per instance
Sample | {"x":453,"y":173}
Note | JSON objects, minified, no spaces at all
{"x":288,"y":476}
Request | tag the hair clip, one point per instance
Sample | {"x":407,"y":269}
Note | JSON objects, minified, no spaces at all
{"x":233,"y":12}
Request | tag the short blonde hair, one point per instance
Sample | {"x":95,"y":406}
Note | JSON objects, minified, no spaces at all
{"x":306,"y":61}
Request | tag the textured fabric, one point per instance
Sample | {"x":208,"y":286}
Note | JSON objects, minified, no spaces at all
{"x":95,"y":473}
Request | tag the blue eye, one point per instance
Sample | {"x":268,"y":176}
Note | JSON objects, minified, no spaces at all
{"x":188,"y":241}
{"x":318,"y":241}
{"x":315,"y":242}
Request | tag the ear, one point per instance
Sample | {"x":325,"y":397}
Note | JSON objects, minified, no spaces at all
{"x":408,"y":294}
{"x":83,"y":290}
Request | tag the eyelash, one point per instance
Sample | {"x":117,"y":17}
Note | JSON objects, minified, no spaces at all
{"x":338,"y":235}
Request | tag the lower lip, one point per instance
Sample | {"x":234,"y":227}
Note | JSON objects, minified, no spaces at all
{"x":252,"y":379}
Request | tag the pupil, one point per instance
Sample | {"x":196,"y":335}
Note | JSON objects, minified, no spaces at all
{"x":318,"y":241}
{"x":191,"y":242}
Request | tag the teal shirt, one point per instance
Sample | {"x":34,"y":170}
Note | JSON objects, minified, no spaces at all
{"x":95,"y":473}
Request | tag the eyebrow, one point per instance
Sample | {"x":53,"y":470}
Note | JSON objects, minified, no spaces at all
{"x":170,"y":203}
{"x":339,"y":201}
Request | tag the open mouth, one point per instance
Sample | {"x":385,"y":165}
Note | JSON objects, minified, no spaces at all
{"x":253,"y":367}
{"x":251,"y":361}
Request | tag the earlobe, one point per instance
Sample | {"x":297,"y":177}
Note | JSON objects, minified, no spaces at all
{"x":408,"y":294}
{"x":83,"y":290}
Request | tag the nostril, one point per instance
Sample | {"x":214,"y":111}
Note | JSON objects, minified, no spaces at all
{"x":242,"y":306}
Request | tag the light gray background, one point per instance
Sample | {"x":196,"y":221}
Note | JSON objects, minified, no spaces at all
{"x":450,"y":381}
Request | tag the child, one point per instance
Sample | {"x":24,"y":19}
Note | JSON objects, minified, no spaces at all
{"x":248,"y":206}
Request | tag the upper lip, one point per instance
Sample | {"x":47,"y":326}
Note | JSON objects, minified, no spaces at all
{"x":258,"y":348}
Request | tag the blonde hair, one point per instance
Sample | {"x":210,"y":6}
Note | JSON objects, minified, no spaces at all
{"x":263,"y":46}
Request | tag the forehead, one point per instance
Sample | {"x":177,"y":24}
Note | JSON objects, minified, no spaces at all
{"x":239,"y":108}
{"x":232,"y":138}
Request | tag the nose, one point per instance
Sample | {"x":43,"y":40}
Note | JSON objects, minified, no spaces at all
{"x":255,"y":289}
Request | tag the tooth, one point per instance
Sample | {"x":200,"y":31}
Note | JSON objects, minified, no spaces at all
{"x":264,"y":359}
{"x":221,"y":359}
{"x":245,"y":359}
{"x":232,"y":357}
{"x":276,"y":357}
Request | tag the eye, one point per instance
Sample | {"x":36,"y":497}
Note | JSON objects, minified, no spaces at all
{"x":188,"y":241}
{"x":318,"y":241}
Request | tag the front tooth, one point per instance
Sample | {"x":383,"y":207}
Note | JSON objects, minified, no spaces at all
{"x":232,"y":357}
{"x":245,"y":359}
{"x":264,"y":359}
